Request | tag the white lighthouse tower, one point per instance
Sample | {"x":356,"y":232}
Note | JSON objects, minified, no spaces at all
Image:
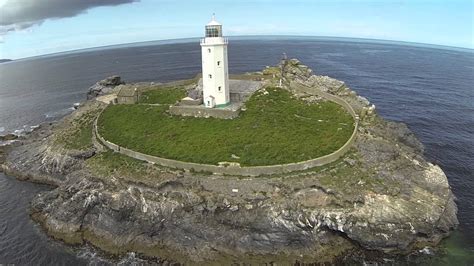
{"x":215,"y":76}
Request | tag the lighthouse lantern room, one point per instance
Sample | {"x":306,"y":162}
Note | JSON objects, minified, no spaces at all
{"x":215,"y":77}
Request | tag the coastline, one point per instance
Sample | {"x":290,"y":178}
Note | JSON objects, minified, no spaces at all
{"x":69,"y":178}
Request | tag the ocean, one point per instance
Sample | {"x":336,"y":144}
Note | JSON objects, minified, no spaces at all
{"x":429,"y":88}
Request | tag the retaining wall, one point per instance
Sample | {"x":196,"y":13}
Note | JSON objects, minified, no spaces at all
{"x":250,"y":170}
{"x":201,"y":111}
{"x":313,"y":91}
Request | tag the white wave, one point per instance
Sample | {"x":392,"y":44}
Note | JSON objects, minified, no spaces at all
{"x":131,"y":259}
{"x":60,"y":113}
{"x":94,"y":258}
{"x":19,"y":131}
{"x":426,"y":250}
{"x":25,"y":129}
{"x":7,"y":142}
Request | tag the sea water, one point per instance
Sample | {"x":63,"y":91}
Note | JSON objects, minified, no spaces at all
{"x":428,"y":88}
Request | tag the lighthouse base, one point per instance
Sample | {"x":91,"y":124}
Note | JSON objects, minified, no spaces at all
{"x":240,"y":91}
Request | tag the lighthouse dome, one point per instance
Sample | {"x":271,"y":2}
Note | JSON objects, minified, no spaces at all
{"x":213,"y":22}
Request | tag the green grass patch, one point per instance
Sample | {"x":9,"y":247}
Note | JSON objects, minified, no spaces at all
{"x":109,"y":162}
{"x":79,"y":135}
{"x":162,"y":96}
{"x":276,"y":128}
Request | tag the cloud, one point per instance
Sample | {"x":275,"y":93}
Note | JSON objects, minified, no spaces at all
{"x":21,"y":14}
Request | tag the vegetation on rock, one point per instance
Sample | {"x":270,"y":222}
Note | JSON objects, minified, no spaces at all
{"x":125,"y":168}
{"x":276,"y":128}
{"x":78,"y":135}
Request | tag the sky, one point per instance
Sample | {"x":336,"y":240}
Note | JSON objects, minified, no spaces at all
{"x":37,"y":27}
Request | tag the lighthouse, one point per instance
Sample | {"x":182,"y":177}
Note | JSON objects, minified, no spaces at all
{"x":215,"y":76}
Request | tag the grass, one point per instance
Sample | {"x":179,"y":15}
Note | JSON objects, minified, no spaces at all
{"x":276,"y":128}
{"x":108,"y":162}
{"x":162,"y":96}
{"x":79,"y":135}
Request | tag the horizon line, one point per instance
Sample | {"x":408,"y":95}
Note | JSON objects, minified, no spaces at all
{"x":189,"y":39}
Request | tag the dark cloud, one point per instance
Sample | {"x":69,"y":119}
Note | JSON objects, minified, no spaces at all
{"x":21,"y":14}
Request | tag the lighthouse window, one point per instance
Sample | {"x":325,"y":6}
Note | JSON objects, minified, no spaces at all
{"x":209,"y":50}
{"x":213,"y":31}
{"x":210,"y":76}
{"x":219,"y":88}
{"x":218,"y":63}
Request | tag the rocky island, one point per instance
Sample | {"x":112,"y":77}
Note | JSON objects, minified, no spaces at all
{"x":379,"y":195}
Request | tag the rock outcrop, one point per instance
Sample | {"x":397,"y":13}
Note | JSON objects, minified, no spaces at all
{"x":8,"y":137}
{"x":104,"y":86}
{"x":382,"y":196}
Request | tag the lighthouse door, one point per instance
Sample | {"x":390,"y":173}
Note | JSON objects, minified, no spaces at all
{"x":210,"y":102}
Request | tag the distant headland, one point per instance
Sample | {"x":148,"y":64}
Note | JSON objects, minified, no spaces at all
{"x":5,"y":60}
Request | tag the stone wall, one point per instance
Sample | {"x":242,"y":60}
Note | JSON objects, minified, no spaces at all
{"x":189,"y":101}
{"x":250,"y":170}
{"x":201,"y":111}
{"x":127,"y":99}
{"x":298,"y":87}
{"x":236,"y":97}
